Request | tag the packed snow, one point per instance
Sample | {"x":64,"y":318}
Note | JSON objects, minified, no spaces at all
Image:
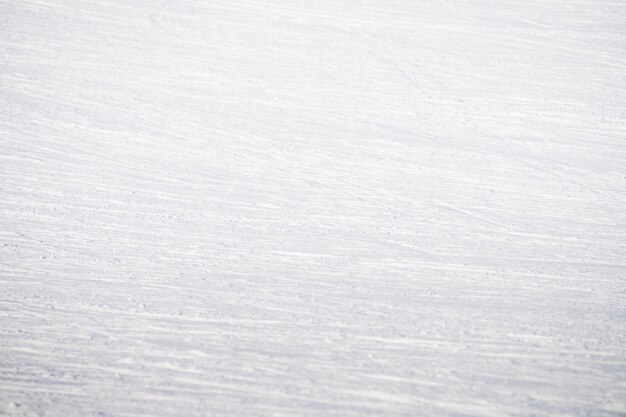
{"x":312,"y":208}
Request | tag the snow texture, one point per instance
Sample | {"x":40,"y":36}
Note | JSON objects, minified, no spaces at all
{"x":312,"y":208}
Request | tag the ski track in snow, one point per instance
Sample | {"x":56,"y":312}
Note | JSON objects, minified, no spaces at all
{"x":333,"y":208}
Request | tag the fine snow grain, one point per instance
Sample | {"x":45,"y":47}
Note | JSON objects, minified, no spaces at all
{"x":312,"y":208}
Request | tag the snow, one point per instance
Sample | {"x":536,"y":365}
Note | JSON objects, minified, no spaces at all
{"x":330,"y":208}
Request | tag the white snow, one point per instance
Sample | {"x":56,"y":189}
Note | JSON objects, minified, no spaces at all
{"x":312,"y":208}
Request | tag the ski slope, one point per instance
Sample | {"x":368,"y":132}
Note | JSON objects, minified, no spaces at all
{"x":296,"y":208}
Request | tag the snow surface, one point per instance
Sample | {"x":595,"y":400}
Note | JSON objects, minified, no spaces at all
{"x":312,"y":208}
